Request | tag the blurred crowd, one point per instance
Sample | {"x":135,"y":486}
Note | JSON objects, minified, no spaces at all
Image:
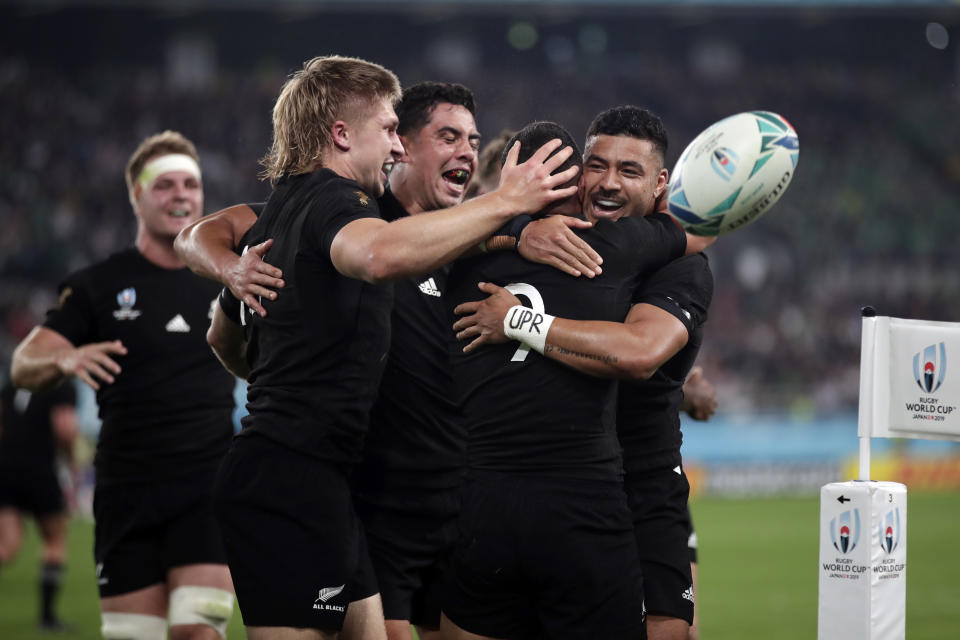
{"x":868,"y":219}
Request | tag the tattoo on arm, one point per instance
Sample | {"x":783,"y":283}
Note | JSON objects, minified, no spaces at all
{"x":602,"y":357}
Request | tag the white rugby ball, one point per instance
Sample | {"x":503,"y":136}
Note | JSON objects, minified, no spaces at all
{"x":733,"y":172}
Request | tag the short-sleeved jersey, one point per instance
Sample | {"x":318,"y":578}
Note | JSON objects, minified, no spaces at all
{"x":317,"y":357}
{"x":26,"y":430}
{"x":168,"y":412}
{"x":525,"y":413}
{"x":415,"y":425}
{"x":648,"y":420}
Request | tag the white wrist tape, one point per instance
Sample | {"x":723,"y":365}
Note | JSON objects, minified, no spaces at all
{"x":528,"y":326}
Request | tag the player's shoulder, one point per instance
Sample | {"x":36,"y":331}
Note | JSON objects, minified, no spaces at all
{"x":342,"y":191}
{"x":690,"y":275}
{"x":123,"y":263}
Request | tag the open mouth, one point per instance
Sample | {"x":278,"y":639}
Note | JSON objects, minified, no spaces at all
{"x":179,"y":213}
{"x":387,"y":168}
{"x":606,"y":206}
{"x":458,"y":177}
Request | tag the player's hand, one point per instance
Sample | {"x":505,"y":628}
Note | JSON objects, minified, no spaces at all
{"x":250,"y":278}
{"x":529,"y":187}
{"x":92,"y":362}
{"x":483,"y":319}
{"x":551,"y":241}
{"x":699,"y":396}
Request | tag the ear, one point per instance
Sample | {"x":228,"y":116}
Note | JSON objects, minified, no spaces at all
{"x":134,"y":196}
{"x":662,"y":179}
{"x":340,"y":132}
{"x":405,"y":157}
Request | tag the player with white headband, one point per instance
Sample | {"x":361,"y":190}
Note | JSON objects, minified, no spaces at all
{"x":133,"y":327}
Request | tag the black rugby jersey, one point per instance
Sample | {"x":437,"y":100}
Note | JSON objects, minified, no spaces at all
{"x":169,"y":411}
{"x":648,"y":420}
{"x":316,"y":359}
{"x":27,"y":440}
{"x":414,"y":424}
{"x":525,"y":413}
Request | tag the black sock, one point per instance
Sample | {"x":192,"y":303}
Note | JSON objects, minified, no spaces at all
{"x":51,"y":575}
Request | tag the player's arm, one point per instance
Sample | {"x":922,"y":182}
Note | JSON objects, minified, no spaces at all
{"x":229,"y":343}
{"x":208,"y":247}
{"x":699,"y":396}
{"x":46,"y":357}
{"x":632,"y":349}
{"x":551,"y":241}
{"x":373,"y":250}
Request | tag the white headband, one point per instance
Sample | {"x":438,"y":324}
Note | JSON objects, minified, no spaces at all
{"x":170,"y":162}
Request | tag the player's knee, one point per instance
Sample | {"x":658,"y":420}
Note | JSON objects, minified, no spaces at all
{"x":208,"y":606}
{"x":133,"y":626}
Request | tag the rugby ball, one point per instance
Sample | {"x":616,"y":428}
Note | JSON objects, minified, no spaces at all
{"x":733,"y":172}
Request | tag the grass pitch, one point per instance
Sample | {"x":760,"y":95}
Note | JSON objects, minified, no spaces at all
{"x":758,"y":573}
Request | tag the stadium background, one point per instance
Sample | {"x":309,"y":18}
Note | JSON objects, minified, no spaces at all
{"x":871,"y":217}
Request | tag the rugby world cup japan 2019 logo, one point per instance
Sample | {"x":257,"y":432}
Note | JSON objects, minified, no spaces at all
{"x":845,"y":531}
{"x":127,"y":298}
{"x":889,"y":530}
{"x":724,"y":162}
{"x":930,"y":366}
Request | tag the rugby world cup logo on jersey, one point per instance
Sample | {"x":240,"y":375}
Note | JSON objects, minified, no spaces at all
{"x":724,"y":161}
{"x":125,"y":300}
{"x":889,"y":530}
{"x":845,"y":531}
{"x":930,"y":366}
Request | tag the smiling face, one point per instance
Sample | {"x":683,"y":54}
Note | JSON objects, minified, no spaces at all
{"x":168,"y":204}
{"x":438,"y":162}
{"x":622,"y":176}
{"x":374,"y":147}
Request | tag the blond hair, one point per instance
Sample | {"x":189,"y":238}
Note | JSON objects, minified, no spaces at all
{"x":311,"y":101}
{"x":159,"y":144}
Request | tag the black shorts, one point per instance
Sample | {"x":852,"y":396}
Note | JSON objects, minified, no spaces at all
{"x":296,"y":549}
{"x":661,"y":521}
{"x":143,"y":530}
{"x":541,"y":557}
{"x":411,"y":532}
{"x":31,"y":490}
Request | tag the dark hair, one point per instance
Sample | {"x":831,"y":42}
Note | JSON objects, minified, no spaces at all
{"x":628,"y":120}
{"x":418,"y":101}
{"x":535,"y":135}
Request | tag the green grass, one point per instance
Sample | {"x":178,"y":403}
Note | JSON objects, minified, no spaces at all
{"x":758,"y":573}
{"x":758,"y":568}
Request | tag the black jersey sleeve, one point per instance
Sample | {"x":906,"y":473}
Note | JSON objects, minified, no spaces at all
{"x":683,"y":288}
{"x":74,"y":316}
{"x":64,"y":394}
{"x":340,"y":205}
{"x":230,"y":305}
{"x":257,"y":207}
{"x":671,"y":241}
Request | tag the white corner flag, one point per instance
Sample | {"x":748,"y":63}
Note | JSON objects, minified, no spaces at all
{"x":906,"y":391}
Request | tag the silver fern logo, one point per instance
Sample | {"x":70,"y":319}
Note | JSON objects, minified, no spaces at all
{"x":329,"y":592}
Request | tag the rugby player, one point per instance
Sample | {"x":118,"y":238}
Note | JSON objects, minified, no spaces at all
{"x":546,"y":544}
{"x":132,"y":327}
{"x":316,"y":353}
{"x":36,"y":429}
{"x":657,"y":344}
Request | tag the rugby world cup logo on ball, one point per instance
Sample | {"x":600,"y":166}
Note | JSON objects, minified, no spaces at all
{"x":733,"y":172}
